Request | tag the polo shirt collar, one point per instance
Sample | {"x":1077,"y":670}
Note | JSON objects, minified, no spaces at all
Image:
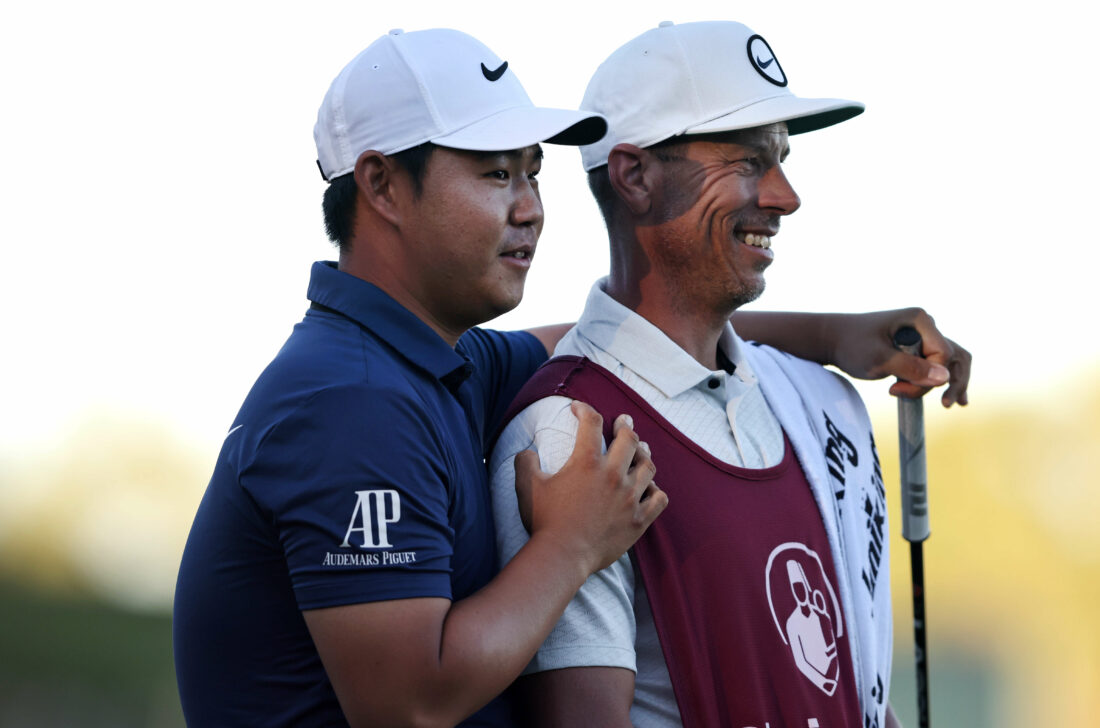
{"x":645,"y":349}
{"x":373,"y":309}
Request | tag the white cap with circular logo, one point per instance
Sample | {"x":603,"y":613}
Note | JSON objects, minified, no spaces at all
{"x":697,"y":78}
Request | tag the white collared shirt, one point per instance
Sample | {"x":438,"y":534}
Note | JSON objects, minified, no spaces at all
{"x":724,"y":413}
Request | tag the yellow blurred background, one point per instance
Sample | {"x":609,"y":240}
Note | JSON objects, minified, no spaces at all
{"x":90,"y":538}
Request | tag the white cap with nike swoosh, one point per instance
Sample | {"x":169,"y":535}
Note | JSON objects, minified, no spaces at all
{"x":697,"y":78}
{"x":440,"y":86}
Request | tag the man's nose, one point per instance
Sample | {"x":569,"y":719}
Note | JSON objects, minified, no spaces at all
{"x":776,"y":192}
{"x":527,"y":207}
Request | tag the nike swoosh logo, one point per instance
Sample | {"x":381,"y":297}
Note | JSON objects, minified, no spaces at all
{"x":494,"y":75}
{"x":765,"y":64}
{"x":232,"y":431}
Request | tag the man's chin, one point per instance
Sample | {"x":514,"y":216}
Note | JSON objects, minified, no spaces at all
{"x":748,"y":294}
{"x":502,"y":305}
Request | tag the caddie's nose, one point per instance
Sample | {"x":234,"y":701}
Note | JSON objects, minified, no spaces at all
{"x":777,"y":193}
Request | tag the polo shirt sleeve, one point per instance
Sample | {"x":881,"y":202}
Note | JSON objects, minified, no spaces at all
{"x":503,"y":362}
{"x":598,"y":627}
{"x":354,"y":483}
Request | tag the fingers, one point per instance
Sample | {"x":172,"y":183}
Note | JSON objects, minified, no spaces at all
{"x":589,"y":431}
{"x":917,"y":371}
{"x":624,"y":445}
{"x":653,"y":503}
{"x":944,"y":361}
{"x":907,"y":390}
{"x":642,"y":470}
{"x":934,"y":346}
{"x":959,"y":366}
{"x":632,"y":459}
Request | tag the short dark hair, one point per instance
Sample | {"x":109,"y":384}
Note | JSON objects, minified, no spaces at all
{"x":338,"y":204}
{"x":599,"y":184}
{"x":599,"y":179}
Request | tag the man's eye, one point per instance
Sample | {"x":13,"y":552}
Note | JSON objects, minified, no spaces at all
{"x":534,"y":174}
{"x":501,"y":174}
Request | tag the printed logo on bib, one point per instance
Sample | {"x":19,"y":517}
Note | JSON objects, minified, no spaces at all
{"x":374,"y":512}
{"x":806,"y":612}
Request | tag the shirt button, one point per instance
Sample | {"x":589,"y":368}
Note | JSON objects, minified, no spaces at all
{"x":713,"y":383}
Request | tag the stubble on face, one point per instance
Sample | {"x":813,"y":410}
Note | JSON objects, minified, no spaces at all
{"x":709,"y":203}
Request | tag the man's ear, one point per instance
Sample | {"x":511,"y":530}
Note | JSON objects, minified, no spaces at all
{"x":630,"y":172}
{"x":380,"y":185}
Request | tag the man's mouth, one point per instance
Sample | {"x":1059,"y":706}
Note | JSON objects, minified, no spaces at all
{"x":756,"y":240}
{"x":523,"y":253}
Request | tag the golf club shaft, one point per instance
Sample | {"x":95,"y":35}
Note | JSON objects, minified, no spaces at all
{"x":914,"y":505}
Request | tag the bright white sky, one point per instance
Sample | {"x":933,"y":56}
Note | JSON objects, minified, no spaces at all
{"x":162,"y":205}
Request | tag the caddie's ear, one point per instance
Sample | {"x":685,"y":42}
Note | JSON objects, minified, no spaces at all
{"x":380,"y":185}
{"x":631,"y":175}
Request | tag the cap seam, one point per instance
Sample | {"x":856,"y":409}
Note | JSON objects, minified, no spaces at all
{"x":425,"y":92}
{"x":697,"y":97}
{"x":340,"y":122}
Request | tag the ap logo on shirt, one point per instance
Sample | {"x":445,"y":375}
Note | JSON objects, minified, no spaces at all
{"x":374,"y":511}
{"x":806,"y":612}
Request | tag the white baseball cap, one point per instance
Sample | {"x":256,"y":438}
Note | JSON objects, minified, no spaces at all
{"x":439,"y":86}
{"x":696,"y":78}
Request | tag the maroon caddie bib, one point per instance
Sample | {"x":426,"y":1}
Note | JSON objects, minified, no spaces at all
{"x":738,"y":573}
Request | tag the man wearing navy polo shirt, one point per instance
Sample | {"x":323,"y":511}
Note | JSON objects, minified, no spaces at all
{"x":341,"y":564}
{"x":341,"y":568}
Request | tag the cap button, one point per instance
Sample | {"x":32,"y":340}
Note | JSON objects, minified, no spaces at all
{"x":396,"y":31}
{"x":665,"y":24}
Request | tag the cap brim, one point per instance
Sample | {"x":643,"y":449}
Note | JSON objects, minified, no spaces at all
{"x":524,"y":126}
{"x":801,"y":115}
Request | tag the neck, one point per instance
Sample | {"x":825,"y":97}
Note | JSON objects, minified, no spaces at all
{"x":694,"y":330}
{"x":361,"y":262}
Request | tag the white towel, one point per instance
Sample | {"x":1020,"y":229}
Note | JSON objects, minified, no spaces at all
{"x":827,"y":424}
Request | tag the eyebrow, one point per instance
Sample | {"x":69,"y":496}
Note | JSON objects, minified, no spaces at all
{"x":537,"y":155}
{"x":515,"y":153}
{"x":761,"y":147}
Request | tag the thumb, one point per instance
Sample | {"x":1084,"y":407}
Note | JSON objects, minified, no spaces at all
{"x":527,"y":472}
{"x":919,"y":372}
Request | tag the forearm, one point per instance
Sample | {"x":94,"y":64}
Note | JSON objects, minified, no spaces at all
{"x":576,"y":696}
{"x":434,"y":662}
{"x":488,"y":638}
{"x":805,"y":335}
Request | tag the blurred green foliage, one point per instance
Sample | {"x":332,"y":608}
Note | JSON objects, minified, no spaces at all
{"x":69,"y":661}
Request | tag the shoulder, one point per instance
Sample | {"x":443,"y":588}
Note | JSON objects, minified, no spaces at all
{"x":347,"y":432}
{"x":768,"y":361}
{"x":490,"y":347}
{"x":544,"y":420}
{"x":355,"y":418}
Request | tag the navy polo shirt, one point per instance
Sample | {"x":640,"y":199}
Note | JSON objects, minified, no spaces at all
{"x":354,"y":472}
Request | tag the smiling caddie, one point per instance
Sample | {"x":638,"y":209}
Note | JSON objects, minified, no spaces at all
{"x":761,"y":596}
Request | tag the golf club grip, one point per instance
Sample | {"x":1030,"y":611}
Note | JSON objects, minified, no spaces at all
{"x":914,"y":477}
